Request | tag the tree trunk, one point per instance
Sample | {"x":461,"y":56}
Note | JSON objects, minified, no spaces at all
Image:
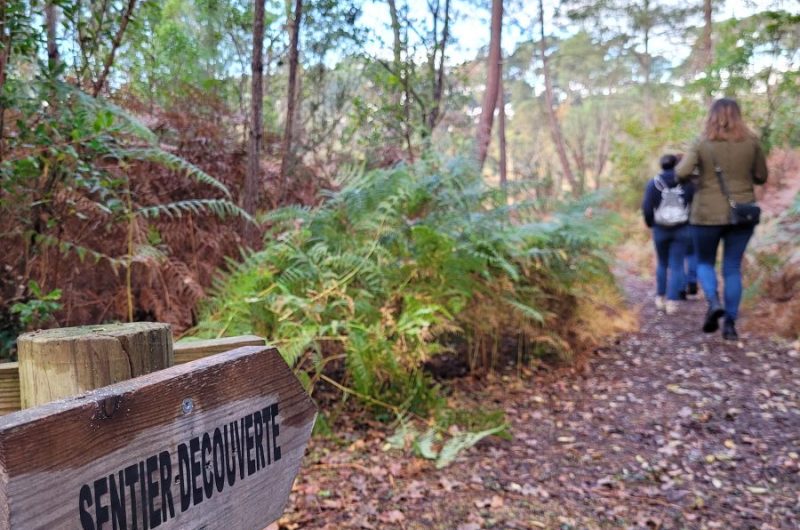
{"x":492,"y":83}
{"x":407,"y":94}
{"x":287,"y":161}
{"x":397,"y":50}
{"x":253,"y":179}
{"x":240,"y":54}
{"x":268,"y":77}
{"x":5,"y":55}
{"x":5,"y":40}
{"x":501,"y":133}
{"x":555,"y":126}
{"x":115,"y":43}
{"x":396,"y":42}
{"x":647,"y":64}
{"x":602,"y":152}
{"x":708,"y":45}
{"x":438,"y":87}
{"x":51,"y":21}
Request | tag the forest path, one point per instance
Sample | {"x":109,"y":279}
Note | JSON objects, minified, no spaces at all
{"x":666,"y":428}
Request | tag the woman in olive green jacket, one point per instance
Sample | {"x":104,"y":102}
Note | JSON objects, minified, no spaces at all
{"x":728,"y":143}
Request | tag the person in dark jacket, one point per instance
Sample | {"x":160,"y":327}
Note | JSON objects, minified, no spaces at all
{"x":728,"y":143}
{"x":671,"y":232}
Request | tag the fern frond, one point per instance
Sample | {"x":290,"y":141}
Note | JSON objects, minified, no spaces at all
{"x":219,"y":207}
{"x":124,"y":122}
{"x":171,"y":161}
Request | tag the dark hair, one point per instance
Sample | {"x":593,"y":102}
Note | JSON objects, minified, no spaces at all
{"x":668,"y":161}
{"x":725,"y":122}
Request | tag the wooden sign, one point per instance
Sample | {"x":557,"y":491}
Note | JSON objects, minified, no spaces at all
{"x":214,"y":443}
{"x":197,"y":349}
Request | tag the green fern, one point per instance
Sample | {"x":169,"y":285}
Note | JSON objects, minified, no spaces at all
{"x":219,"y":207}
{"x":396,"y":264}
{"x":170,"y":161}
{"x":118,"y":119}
{"x":461,"y":442}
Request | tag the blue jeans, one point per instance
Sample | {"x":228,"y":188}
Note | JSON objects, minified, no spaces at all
{"x":706,"y":241}
{"x":670,"y":243}
{"x":691,"y":261}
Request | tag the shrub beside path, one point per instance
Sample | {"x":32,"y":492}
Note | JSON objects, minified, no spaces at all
{"x":666,"y":428}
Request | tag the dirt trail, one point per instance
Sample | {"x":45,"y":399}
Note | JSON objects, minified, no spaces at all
{"x":668,"y":428}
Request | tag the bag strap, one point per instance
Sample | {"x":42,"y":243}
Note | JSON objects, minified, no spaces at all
{"x":721,"y":178}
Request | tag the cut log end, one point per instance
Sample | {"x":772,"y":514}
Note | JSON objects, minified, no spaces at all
{"x":64,"y":362}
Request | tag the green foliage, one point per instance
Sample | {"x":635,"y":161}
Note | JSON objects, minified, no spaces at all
{"x":168,"y":160}
{"x":756,"y":60}
{"x":67,"y":154}
{"x":66,"y":145}
{"x":192,"y":44}
{"x":39,"y":308}
{"x":403,"y":264}
{"x":635,"y":154}
{"x":35,"y":311}
{"x":438,"y":445}
{"x":217,"y":207}
{"x":461,"y":442}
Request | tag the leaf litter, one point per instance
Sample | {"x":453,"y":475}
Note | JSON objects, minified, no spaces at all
{"x":666,"y":428}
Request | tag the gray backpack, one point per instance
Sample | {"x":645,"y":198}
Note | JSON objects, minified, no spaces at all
{"x":672,"y":210}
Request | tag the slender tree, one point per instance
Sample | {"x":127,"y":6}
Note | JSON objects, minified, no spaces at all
{"x":397,"y":45}
{"x":401,"y":71}
{"x":51,"y":23}
{"x":115,"y":43}
{"x":291,"y":99}
{"x":604,"y":144}
{"x":708,"y":49}
{"x":492,"y":83}
{"x":6,"y":35}
{"x":707,"y":43}
{"x":555,"y":126}
{"x":401,"y":99}
{"x":437,"y":70}
{"x":501,"y":133}
{"x":253,"y":178}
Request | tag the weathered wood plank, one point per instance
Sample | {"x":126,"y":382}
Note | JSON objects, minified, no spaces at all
{"x":9,"y":388}
{"x":211,"y":444}
{"x":197,"y":349}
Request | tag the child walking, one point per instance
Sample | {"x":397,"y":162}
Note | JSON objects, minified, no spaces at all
{"x":665,"y":208}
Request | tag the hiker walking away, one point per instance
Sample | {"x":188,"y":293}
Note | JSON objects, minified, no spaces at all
{"x":666,"y":211}
{"x":730,"y":161}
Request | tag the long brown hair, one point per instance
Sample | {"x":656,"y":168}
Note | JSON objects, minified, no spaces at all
{"x":725,"y":122}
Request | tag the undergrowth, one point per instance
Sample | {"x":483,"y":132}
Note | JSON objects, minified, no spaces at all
{"x":404,"y":264}
{"x":97,"y":212}
{"x":773,"y":275}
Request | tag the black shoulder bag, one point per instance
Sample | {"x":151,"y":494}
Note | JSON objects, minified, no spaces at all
{"x":742,"y":213}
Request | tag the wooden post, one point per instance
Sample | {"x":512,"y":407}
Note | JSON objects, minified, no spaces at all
{"x":64,"y":362}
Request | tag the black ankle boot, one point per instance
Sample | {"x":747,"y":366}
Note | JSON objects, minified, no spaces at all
{"x":714,"y":313}
{"x":729,"y":330}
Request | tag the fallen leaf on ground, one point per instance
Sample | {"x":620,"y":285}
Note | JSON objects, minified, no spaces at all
{"x":392,"y":516}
